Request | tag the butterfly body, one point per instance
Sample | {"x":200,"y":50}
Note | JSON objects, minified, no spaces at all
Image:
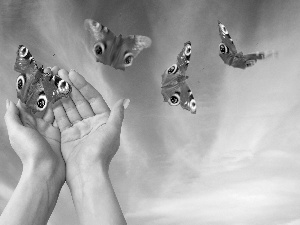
{"x":112,"y":50}
{"x":34,"y":87}
{"x":230,"y":56}
{"x":175,"y":90}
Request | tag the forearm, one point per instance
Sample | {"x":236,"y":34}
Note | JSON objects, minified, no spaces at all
{"x":95,"y":200}
{"x":32,"y":202}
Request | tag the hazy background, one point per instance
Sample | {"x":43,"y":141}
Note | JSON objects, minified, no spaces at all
{"x":237,"y":161}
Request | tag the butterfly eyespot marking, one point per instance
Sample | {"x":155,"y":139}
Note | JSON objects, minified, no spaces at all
{"x":193,"y":105}
{"x":223,"y":29}
{"x":174,"y":99}
{"x":188,"y":50}
{"x":105,"y":29}
{"x":99,"y":48}
{"x":223,"y":49}
{"x":23,"y":51}
{"x":95,"y":23}
{"x":20,"y":82}
{"x":128,"y":59}
{"x":172,"y":69}
{"x":63,"y":87}
{"x":250,"y":63}
{"x":41,"y":102}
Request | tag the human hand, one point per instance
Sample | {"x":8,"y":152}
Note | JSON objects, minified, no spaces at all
{"x":90,"y":137}
{"x":35,"y":140}
{"x":37,"y":143}
{"x":90,"y":133}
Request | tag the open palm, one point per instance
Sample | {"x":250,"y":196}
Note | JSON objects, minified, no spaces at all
{"x":90,"y":133}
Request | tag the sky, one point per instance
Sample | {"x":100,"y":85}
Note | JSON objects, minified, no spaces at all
{"x":235,"y":162}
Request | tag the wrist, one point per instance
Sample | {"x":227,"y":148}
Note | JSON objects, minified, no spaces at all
{"x":94,"y":198}
{"x":83,"y":178}
{"x":50,"y":183}
{"x":37,"y":182}
{"x":32,"y":201}
{"x":46,"y":171}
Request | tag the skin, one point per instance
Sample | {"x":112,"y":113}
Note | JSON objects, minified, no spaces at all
{"x":90,"y":137}
{"x":44,"y":144}
{"x":37,"y":142}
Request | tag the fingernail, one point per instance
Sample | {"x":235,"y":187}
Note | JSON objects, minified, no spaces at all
{"x":126,"y":103}
{"x":7,"y":103}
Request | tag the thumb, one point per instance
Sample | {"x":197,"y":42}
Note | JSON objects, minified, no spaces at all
{"x":117,"y":113}
{"x":11,"y":117}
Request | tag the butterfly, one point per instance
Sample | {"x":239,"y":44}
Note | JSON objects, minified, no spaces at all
{"x":35,"y":88}
{"x":175,"y":90}
{"x":230,"y":56}
{"x":116,"y":51}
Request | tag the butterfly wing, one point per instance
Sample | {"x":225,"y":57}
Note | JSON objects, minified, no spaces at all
{"x":25,"y":63}
{"x":225,"y":54}
{"x":169,"y":91}
{"x":34,"y":87}
{"x":127,"y":49}
{"x":228,"y":52}
{"x":37,"y":101}
{"x":179,"y":94}
{"x":261,"y":55}
{"x":30,"y":74}
{"x":108,"y":49}
{"x":236,"y":60}
{"x":243,"y":61}
{"x":226,"y":39}
{"x":183,"y":58}
{"x":175,"y":91}
{"x":176,"y":73}
{"x":55,"y":88}
{"x":102,"y":41}
{"x":49,"y":88}
{"x":187,"y":99}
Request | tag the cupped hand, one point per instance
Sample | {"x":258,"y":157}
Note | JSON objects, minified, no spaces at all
{"x":90,"y":132}
{"x":36,"y":141}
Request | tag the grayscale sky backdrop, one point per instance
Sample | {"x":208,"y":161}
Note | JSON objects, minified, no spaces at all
{"x":237,"y":161}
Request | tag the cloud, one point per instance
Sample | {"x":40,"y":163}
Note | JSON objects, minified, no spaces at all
{"x":235,"y":161}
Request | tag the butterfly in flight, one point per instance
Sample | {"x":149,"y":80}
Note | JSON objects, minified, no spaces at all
{"x":116,"y":51}
{"x":35,"y":88}
{"x":175,"y":90}
{"x":230,"y":56}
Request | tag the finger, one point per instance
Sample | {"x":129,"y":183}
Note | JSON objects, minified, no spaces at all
{"x":94,"y":98}
{"x":82,"y":105}
{"x":21,"y":106}
{"x":61,"y":117}
{"x":25,"y":114}
{"x":55,"y":123}
{"x":55,"y":70}
{"x":47,"y":70}
{"x":117,"y":114}
{"x":49,"y":115}
{"x":71,"y":110}
{"x":68,"y":104}
{"x":12,"y":118}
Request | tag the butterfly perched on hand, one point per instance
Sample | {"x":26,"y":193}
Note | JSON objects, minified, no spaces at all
{"x":175,"y":90}
{"x":116,"y":51}
{"x":230,"y":56}
{"x":35,"y":88}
